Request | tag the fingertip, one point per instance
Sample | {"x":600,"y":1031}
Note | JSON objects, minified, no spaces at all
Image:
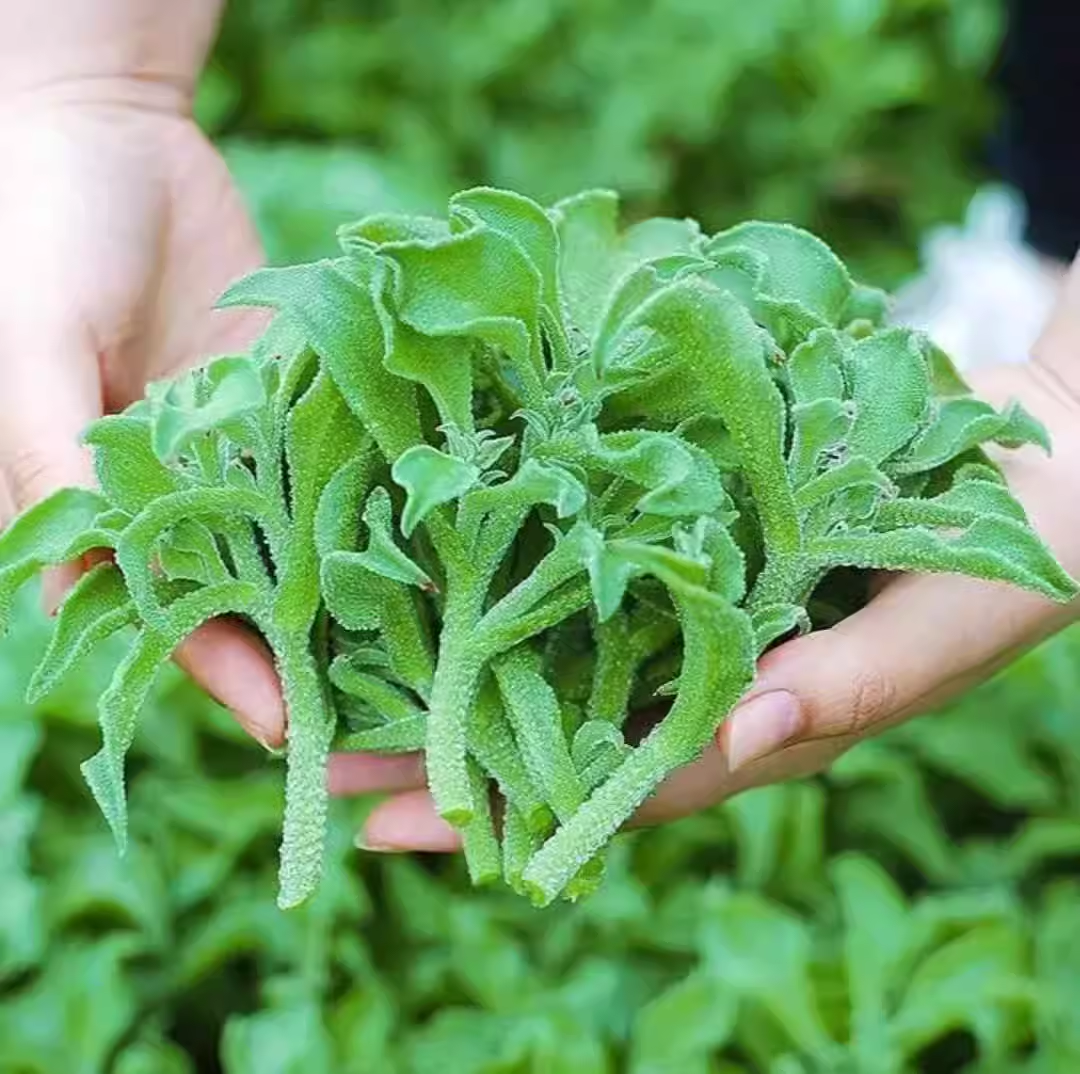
{"x":235,"y":667}
{"x":408,"y":822}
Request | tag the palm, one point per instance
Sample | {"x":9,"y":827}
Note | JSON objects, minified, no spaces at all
{"x":127,"y":224}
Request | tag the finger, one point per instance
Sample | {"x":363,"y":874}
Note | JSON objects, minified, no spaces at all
{"x":408,"y":822}
{"x":921,"y":641}
{"x":373,"y":773}
{"x":235,"y":667}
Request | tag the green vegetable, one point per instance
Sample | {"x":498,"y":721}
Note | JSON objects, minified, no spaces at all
{"x":461,"y":444}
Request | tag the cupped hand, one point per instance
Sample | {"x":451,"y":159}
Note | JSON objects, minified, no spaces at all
{"x":919,"y":642}
{"x":121,"y":227}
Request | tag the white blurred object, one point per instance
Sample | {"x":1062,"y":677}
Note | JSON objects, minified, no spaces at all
{"x":983,"y":296}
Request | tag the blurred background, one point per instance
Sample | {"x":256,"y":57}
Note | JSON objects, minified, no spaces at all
{"x":918,"y":909}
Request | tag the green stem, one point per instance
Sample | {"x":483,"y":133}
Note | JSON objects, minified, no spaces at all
{"x":710,"y":687}
{"x":558,"y":566}
{"x":785,"y":579}
{"x":457,"y":674}
{"x":311,"y":730}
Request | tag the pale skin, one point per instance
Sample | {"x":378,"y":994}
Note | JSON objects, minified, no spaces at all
{"x":121,"y":226}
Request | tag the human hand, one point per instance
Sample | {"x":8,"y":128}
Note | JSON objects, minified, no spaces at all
{"x":121,"y":227}
{"x":920,"y":641}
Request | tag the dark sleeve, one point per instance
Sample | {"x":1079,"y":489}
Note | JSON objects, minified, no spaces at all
{"x":1037,"y":150}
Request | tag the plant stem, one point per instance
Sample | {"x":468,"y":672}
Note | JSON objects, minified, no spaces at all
{"x":311,"y":730}
{"x":457,"y":674}
{"x":785,"y":579}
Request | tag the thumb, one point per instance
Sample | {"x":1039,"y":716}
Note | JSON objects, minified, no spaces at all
{"x":920,"y":641}
{"x":51,"y":393}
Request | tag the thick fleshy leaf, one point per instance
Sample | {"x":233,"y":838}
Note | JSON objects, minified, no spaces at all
{"x":819,"y":436}
{"x":715,"y":365}
{"x":430,"y":478}
{"x":128,"y":468}
{"x":97,"y":605}
{"x":520,"y":219}
{"x":220,"y":396}
{"x":774,"y":621}
{"x":816,"y":367}
{"x":477,"y":283}
{"x":963,"y":423}
{"x":134,"y":550}
{"x":338,"y":516}
{"x":719,"y":650}
{"x":334,"y":304}
{"x":680,"y":478}
{"x":960,"y":506}
{"x":532,"y":709}
{"x":993,"y":547}
{"x":322,"y":435}
{"x":47,"y":534}
{"x":534,"y":483}
{"x":390,"y":702}
{"x":127,"y":693}
{"x":799,"y":268}
{"x":890,"y":387}
{"x":441,"y":364}
{"x":191,"y":552}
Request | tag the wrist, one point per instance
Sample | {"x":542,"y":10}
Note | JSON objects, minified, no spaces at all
{"x":141,"y":52}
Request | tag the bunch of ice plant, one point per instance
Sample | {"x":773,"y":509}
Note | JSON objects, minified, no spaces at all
{"x":488,"y":485}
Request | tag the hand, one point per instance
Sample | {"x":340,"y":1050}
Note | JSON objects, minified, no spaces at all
{"x":919,"y":642}
{"x":121,"y":227}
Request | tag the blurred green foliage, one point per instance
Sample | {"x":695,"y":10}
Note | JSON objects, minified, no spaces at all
{"x":857,"y":118}
{"x":917,"y":910}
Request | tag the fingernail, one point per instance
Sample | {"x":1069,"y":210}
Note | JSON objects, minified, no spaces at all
{"x":760,"y":726}
{"x":364,"y":842}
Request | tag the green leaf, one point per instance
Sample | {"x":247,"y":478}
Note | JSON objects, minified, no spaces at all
{"x":430,"y":478}
{"x":820,"y":432}
{"x":47,"y":534}
{"x":342,"y":323}
{"x":718,"y":666}
{"x":522,"y":220}
{"x":798,"y":268}
{"x":715,"y":365}
{"x":993,"y":547}
{"x":532,"y":708}
{"x":816,"y":367}
{"x":773,"y":621}
{"x":969,"y":983}
{"x":963,"y":423}
{"x":685,"y":1023}
{"x":321,"y":437}
{"x":476,"y":283}
{"x":97,"y":606}
{"x":134,"y":550}
{"x":338,"y":516}
{"x":121,"y":703}
{"x":128,"y":469}
{"x":878,"y":937}
{"x":890,"y":387}
{"x":220,"y":396}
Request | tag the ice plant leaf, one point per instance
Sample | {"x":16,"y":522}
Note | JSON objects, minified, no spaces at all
{"x":46,"y":534}
{"x":430,"y":478}
{"x":491,"y":487}
{"x":98,"y":605}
